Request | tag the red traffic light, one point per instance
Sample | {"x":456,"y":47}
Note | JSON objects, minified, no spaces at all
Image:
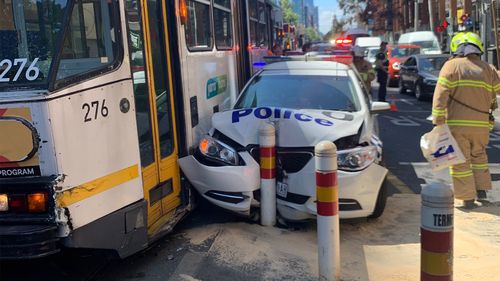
{"x":464,"y":17}
{"x":439,"y":29}
{"x":445,"y":24}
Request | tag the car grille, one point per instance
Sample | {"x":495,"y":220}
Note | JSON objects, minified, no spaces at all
{"x":290,"y":160}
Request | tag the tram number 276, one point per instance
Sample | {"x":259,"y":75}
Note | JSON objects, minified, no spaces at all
{"x":94,"y":109}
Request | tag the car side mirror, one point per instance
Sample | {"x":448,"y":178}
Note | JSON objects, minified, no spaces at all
{"x":411,"y":67}
{"x":380,"y":106}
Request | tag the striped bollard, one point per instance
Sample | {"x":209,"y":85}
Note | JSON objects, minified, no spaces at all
{"x":436,"y":233}
{"x":267,"y":141}
{"x":327,"y":197}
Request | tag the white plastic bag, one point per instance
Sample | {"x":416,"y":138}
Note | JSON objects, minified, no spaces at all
{"x":440,"y":148}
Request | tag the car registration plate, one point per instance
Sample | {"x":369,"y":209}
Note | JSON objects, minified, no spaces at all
{"x":281,"y":189}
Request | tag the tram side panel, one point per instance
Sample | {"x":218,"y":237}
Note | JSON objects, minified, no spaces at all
{"x":208,"y":67}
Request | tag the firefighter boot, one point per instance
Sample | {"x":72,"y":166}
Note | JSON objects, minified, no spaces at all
{"x":469,"y":204}
{"x":481,"y":194}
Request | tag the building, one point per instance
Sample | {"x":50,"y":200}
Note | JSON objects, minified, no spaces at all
{"x":308,"y":13}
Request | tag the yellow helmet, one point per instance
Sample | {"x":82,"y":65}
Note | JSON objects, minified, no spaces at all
{"x":466,"y":37}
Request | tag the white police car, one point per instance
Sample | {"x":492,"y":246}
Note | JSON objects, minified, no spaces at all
{"x":308,"y":101}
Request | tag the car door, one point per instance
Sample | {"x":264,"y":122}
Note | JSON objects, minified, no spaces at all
{"x":411,"y":72}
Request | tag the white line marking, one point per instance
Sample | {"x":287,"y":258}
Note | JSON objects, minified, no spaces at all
{"x":406,"y":101}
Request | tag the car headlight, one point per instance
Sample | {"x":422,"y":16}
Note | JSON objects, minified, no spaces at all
{"x":430,"y":81}
{"x":217,"y":150}
{"x":356,"y":159}
{"x":396,"y":66}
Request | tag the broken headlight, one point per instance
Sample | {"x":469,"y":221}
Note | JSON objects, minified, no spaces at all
{"x":356,"y":159}
{"x":218,"y":151}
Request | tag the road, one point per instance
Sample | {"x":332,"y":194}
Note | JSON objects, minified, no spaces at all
{"x":175,"y":254}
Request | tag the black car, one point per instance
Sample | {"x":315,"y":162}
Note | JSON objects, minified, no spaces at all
{"x":419,"y":74}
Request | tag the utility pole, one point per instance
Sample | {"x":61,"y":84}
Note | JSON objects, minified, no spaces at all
{"x":416,"y":15}
{"x":431,"y":15}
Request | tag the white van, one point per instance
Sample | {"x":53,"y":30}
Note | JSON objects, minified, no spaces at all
{"x":366,"y":42}
{"x":425,"y":39}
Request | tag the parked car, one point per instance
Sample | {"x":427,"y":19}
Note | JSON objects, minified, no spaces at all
{"x":308,"y":101}
{"x":347,"y":40}
{"x":368,"y":42}
{"x":419,"y":74}
{"x":427,"y":40}
{"x":397,"y":54}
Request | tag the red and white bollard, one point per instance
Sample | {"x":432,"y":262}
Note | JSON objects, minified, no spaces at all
{"x":327,"y":198}
{"x":267,"y":141}
{"x":436,"y":233}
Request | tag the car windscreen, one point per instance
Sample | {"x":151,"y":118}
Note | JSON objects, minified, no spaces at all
{"x":432,"y":63}
{"x":404,"y":52}
{"x":300,"y":92}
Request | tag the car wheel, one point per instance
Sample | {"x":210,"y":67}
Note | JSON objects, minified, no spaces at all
{"x":418,"y":92}
{"x":402,"y":89}
{"x":381,"y":201}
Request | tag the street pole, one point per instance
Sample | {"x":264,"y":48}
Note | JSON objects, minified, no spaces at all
{"x":484,"y":28}
{"x":495,"y":28}
{"x":416,"y":16}
{"x":431,"y":15}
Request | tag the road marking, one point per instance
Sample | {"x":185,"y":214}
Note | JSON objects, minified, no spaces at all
{"x":398,"y":184}
{"x":407,"y":101}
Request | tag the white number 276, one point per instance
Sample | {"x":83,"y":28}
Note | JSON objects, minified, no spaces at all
{"x":31,"y":74}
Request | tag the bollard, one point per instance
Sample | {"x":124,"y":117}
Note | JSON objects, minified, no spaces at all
{"x":267,"y":141}
{"x":436,"y":233}
{"x":327,"y":197}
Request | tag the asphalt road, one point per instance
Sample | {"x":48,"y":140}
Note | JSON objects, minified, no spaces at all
{"x":400,"y":131}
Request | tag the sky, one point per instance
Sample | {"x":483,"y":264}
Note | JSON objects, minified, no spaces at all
{"x":327,"y":8}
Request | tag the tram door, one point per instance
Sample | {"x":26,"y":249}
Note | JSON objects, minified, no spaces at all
{"x":152,"y":79}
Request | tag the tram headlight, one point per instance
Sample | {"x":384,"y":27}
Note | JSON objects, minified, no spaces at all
{"x":217,"y":150}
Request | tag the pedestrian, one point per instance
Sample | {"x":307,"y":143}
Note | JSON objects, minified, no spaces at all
{"x":382,"y":68}
{"x":363,"y":67}
{"x":464,"y":98}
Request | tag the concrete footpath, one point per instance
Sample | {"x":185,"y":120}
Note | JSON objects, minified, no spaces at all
{"x":376,"y":250}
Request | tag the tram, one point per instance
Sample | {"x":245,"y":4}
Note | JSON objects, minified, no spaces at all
{"x":99,"y":99}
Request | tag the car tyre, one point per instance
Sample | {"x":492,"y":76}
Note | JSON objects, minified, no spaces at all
{"x":381,"y":201}
{"x":419,"y":95}
{"x":402,"y":89}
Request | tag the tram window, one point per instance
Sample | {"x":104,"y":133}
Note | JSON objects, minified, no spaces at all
{"x":252,"y":7}
{"x":198,"y":27}
{"x":90,"y":41}
{"x":159,"y":49}
{"x":141,"y":93}
{"x":223,"y":27}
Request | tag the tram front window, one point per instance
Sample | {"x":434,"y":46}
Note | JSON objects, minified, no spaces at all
{"x":36,"y":32}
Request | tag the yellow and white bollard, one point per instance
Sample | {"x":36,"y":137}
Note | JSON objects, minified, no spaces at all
{"x":267,"y":141}
{"x":436,"y":233}
{"x":327,"y":197}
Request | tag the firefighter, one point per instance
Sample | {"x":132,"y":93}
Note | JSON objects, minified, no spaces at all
{"x":364,"y":67}
{"x":464,"y":98}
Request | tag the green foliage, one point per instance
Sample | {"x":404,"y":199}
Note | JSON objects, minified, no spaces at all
{"x":289,"y":16}
{"x":312,"y":35}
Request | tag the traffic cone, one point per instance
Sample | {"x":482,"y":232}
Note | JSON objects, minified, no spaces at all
{"x":394,"y":107}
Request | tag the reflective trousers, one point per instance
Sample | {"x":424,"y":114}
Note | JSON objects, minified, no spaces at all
{"x":474,"y":174}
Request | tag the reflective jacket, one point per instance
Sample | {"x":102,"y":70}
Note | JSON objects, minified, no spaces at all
{"x":365,"y":69}
{"x":465,"y":94}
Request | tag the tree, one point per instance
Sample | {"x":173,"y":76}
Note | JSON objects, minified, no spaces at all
{"x":289,"y":16}
{"x":312,"y":35}
{"x":354,"y":10}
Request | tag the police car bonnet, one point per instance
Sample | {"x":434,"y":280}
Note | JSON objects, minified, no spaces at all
{"x":295,"y":128}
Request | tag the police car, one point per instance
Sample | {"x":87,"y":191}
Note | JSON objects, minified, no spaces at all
{"x":308,"y":102}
